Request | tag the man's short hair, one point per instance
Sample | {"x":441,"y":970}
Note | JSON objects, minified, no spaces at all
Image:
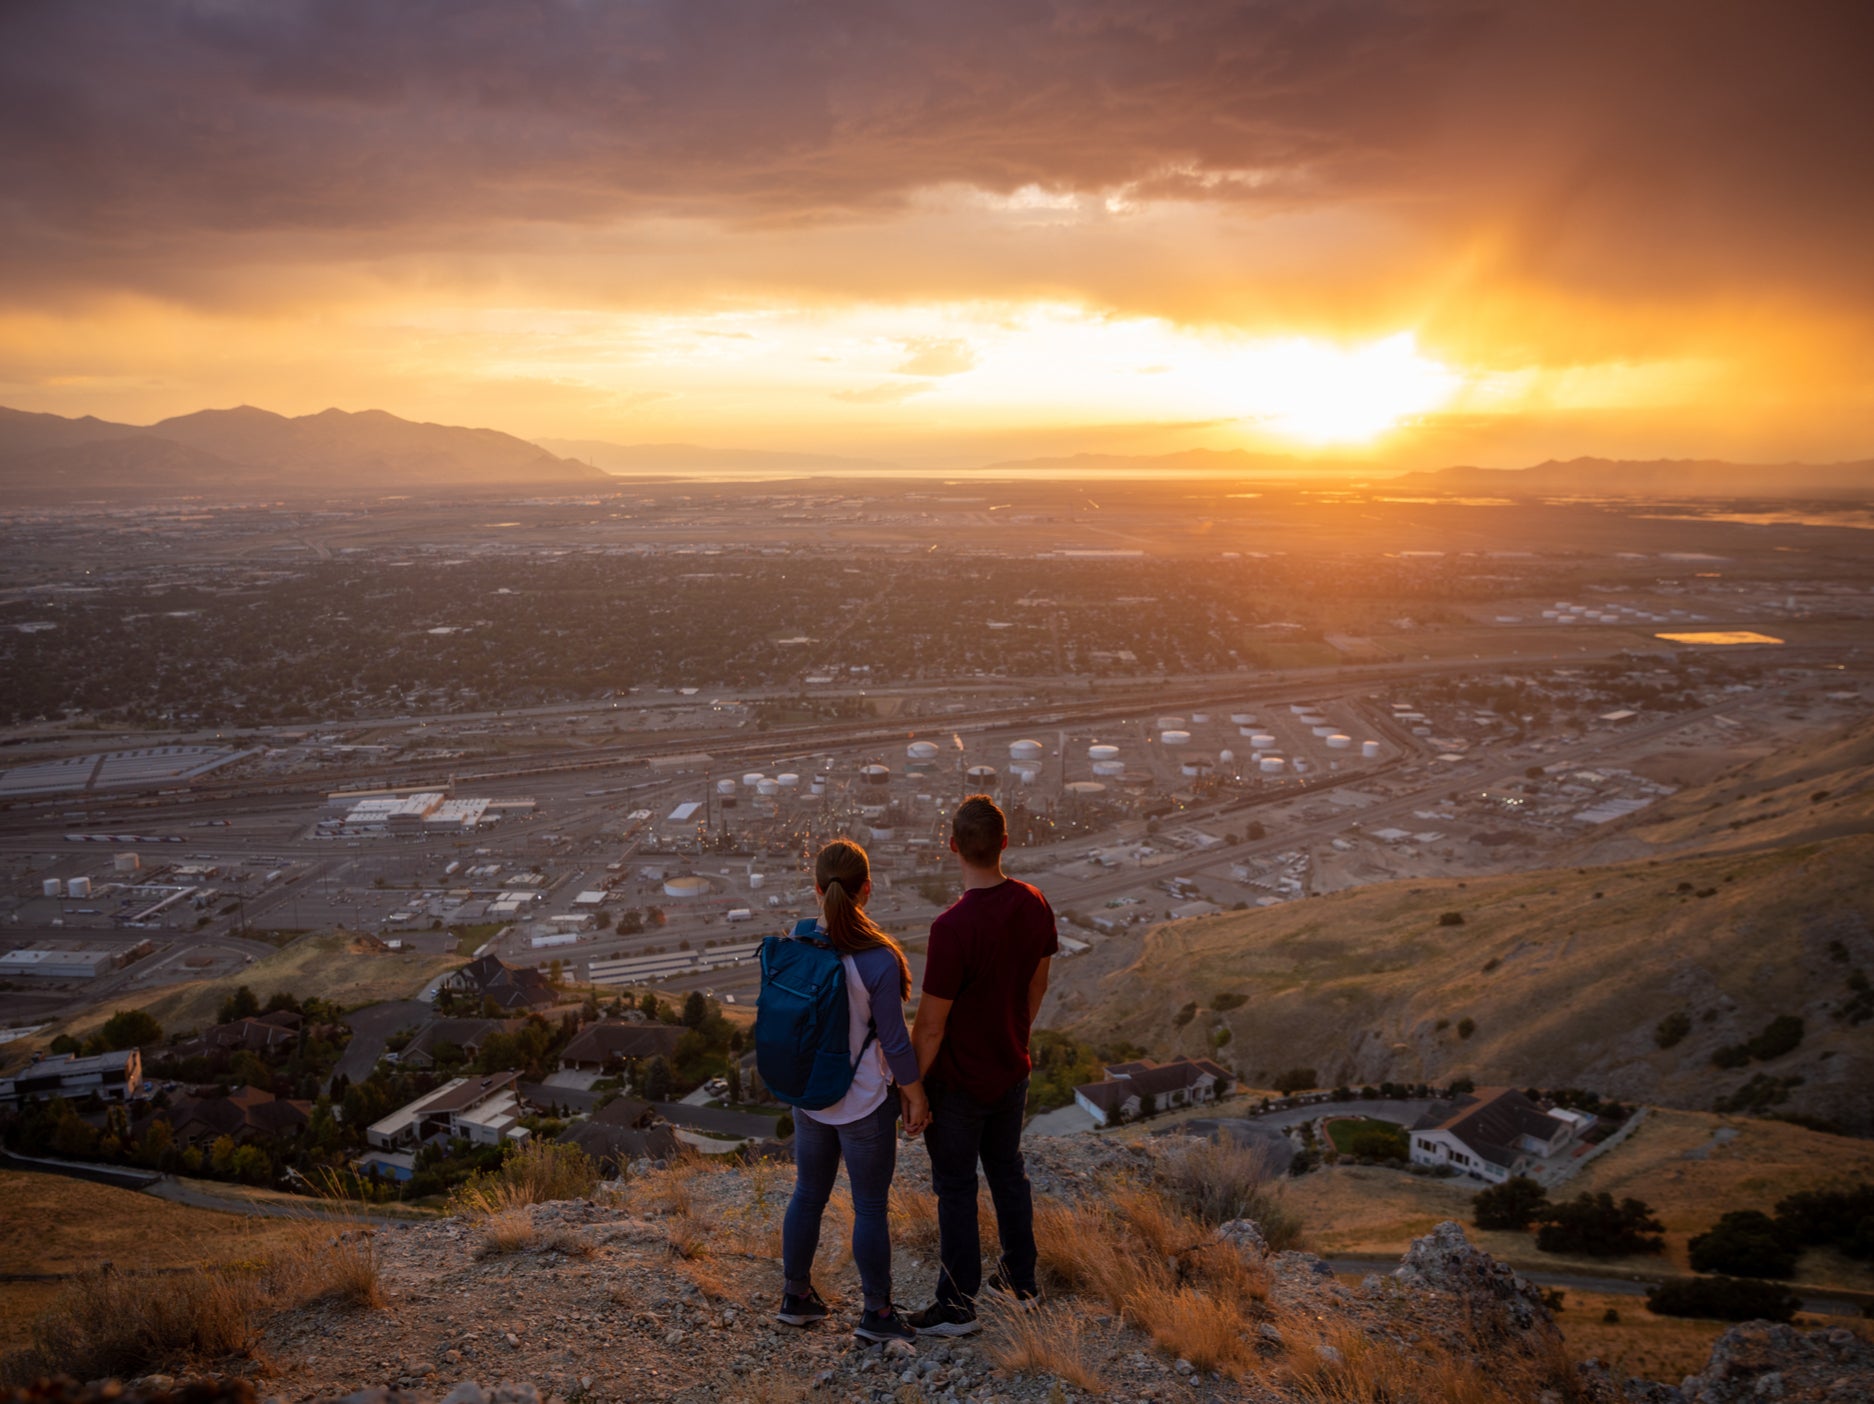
{"x":979,"y":828}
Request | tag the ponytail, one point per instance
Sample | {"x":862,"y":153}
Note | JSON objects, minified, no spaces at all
{"x":841,"y":871}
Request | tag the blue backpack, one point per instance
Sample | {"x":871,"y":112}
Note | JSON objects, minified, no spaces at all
{"x":801,"y":1023}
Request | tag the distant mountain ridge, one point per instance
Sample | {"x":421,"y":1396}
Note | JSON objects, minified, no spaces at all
{"x":694,"y":458}
{"x":1200,"y":462}
{"x":1659,"y":477}
{"x":45,"y":457}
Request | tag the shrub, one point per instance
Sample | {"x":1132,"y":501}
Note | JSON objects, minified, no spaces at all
{"x":1673,"y":1028}
{"x":1466,"y":1027}
{"x":1451,"y":919}
{"x":1216,"y":1181}
{"x":1296,"y":1080}
{"x":1723,"y":1299}
{"x":1841,"y":1218}
{"x":1781,"y":1035}
{"x":536,"y":1173}
{"x":1514,"y":1204}
{"x":1224,"y":1003}
{"x":1732,"y":1055}
{"x":1598,"y":1227}
{"x":1185,"y":1015}
{"x":1744,"y":1243}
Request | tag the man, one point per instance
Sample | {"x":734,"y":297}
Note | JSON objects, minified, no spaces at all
{"x":984,"y":977}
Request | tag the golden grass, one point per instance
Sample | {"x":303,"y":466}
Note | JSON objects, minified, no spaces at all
{"x":331,"y":965}
{"x":107,"y":1322}
{"x":538,"y":1172}
{"x":1335,"y":1361}
{"x":914,"y":1218}
{"x":1047,"y":1341}
{"x":686,"y":1236}
{"x":507,"y":1231}
{"x":1217,"y":1181}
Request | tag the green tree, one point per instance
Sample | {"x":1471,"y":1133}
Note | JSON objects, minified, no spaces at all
{"x":242,"y":1004}
{"x":657,"y":1081}
{"x":1723,"y":1299}
{"x":1514,"y":1204}
{"x":1744,"y":1243}
{"x":1671,"y":1029}
{"x":131,"y":1028}
{"x":1598,"y":1227}
{"x":695,"y":1010}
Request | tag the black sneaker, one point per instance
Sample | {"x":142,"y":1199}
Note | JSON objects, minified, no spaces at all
{"x":945,"y":1319}
{"x":1008,"y":1294}
{"x":801,"y":1311}
{"x":886,"y":1325}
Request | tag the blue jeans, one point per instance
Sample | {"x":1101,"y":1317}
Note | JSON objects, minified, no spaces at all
{"x":962,"y":1132}
{"x":870,"y":1148}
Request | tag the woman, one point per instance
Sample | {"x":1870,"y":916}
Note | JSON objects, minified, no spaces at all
{"x":860,"y":1128}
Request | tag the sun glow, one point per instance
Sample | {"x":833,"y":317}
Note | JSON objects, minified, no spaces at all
{"x":1328,"y":394}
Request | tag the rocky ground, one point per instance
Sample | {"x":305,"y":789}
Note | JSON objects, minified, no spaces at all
{"x":661,"y":1287}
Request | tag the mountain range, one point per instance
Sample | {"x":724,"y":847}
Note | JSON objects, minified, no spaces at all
{"x":44,"y":457}
{"x":698,"y":458}
{"x":1659,"y":477}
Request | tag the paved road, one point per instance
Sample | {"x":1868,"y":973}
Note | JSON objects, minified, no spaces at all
{"x":371,"y":1027}
{"x":720,"y":1119}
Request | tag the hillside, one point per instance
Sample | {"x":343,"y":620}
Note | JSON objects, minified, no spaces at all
{"x":1664,"y":477}
{"x":697,"y":458}
{"x":46,"y":458}
{"x":1566,"y":975}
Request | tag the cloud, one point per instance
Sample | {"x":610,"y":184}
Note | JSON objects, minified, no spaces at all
{"x":934,"y":357}
{"x":890,"y":393}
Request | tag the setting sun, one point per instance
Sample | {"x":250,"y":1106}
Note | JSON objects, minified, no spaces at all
{"x":1329,"y":394}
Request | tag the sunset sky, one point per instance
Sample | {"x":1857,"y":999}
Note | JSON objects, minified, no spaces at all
{"x":1416,"y":233}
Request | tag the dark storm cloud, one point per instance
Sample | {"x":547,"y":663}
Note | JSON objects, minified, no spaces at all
{"x":1610,"y":144}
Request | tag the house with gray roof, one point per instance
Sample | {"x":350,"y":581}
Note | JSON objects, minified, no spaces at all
{"x":1490,"y":1134}
{"x":1130,"y":1090}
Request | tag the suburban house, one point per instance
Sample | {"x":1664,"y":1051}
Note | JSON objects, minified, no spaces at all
{"x":243,"y":1114}
{"x":264,"y":1033}
{"x":521,"y":988}
{"x":466,"y":1036}
{"x":1491,"y":1134}
{"x":1124,"y":1093}
{"x":482,"y":1110}
{"x":611,"y":1040}
{"x":113,"y":1076}
{"x":621,"y":1131}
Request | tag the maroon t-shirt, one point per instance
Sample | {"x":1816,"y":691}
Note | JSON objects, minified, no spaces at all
{"x":983,"y":953}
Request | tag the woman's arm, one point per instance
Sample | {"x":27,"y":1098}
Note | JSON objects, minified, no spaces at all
{"x":879,"y":970}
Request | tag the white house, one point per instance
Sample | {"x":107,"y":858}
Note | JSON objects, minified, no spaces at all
{"x":1491,"y":1134}
{"x":482,"y":1110}
{"x":1122,"y":1095}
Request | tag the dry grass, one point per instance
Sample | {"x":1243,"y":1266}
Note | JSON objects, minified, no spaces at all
{"x":1216,"y":1182}
{"x":686,"y":1236}
{"x":1336,"y":1362}
{"x":914,"y":1219}
{"x":1049,"y":1341}
{"x":539,"y":1172}
{"x":506,"y":1231}
{"x":106,"y":1322}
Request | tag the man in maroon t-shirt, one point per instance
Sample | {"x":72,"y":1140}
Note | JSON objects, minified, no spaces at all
{"x":984,"y":976}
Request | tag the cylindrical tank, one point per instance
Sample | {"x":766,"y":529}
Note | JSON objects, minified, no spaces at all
{"x":126,"y":862}
{"x":1195,"y":767}
{"x":981,"y":777}
{"x":787,"y":780}
{"x":1225,"y":756}
{"x":768,"y":787}
{"x":681,"y":887}
{"x":818,"y":787}
{"x":1242,"y":718}
{"x":1086,"y":789}
{"x":1261,"y":741}
{"x":874,"y":774}
{"x":756,"y":880}
{"x":78,"y":887}
{"x":51,"y":887}
{"x":1301,"y":708}
{"x":1109,"y":767}
{"x":1025,"y":772}
{"x":921,"y":751}
{"x":1025,"y":750}
{"x":753,"y":778}
{"x":1369,"y":750}
{"x":1322,"y":730}
{"x":1339,"y":741}
{"x":725,"y":787}
{"x":1271,"y":765}
{"x":882,"y":833}
{"x":1175,"y":738}
{"x":1170,"y":723}
{"x":1102,"y":753}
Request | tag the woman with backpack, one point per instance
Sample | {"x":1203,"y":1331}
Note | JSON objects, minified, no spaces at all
{"x":861,"y":1126}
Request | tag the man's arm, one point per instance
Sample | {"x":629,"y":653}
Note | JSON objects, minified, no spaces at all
{"x":1037,"y":988}
{"x":927,"y":1031}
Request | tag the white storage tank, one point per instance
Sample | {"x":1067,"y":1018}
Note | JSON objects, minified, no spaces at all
{"x":787,"y":780}
{"x":1025,"y":750}
{"x":1086,"y":789}
{"x":1242,"y":718}
{"x":1369,"y":750}
{"x":874,"y":774}
{"x":1224,"y":757}
{"x":1199,"y":718}
{"x":1026,"y":772}
{"x":1339,"y":741}
{"x":818,"y":787}
{"x":1175,"y":738}
{"x":78,"y":887}
{"x":882,"y":833}
{"x":1301,"y":708}
{"x":51,"y":887}
{"x":1322,"y":730}
{"x":753,"y":778}
{"x":1109,"y":767}
{"x":921,"y":751}
{"x":725,"y":787}
{"x":768,"y":787}
{"x":1102,"y":753}
{"x":126,"y":862}
{"x":1195,"y":767}
{"x":1271,"y":765}
{"x":683,"y":887}
{"x":755,"y":880}
{"x":1261,"y":741}
{"x":1170,"y":723}
{"x":981,"y":777}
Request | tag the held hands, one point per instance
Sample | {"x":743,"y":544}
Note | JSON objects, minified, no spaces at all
{"x":916,"y":1108}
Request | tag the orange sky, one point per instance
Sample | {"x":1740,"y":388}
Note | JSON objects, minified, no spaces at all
{"x":1420,"y":232}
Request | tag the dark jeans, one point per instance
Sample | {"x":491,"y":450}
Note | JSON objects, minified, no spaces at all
{"x":962,"y":1132}
{"x":870,"y":1148}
